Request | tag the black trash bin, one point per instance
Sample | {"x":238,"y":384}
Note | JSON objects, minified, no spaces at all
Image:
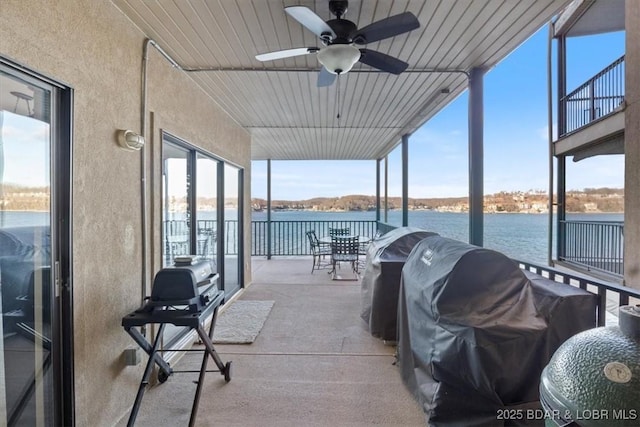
{"x":380,"y":283}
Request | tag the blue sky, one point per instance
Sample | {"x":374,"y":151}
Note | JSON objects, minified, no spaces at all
{"x":515,"y":137}
{"x":27,"y":167}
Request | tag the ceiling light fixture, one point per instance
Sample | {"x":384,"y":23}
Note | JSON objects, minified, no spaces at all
{"x":339,"y":58}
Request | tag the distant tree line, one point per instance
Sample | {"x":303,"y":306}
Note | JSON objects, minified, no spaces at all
{"x":589,"y":199}
{"x":18,"y":198}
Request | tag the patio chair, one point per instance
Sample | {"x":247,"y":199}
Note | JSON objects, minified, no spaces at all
{"x":345,"y":249}
{"x":319,"y":252}
{"x":339,"y":231}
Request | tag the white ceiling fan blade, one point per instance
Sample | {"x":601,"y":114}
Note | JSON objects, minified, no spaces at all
{"x":310,"y":21}
{"x":325,"y":78}
{"x":287,"y":53}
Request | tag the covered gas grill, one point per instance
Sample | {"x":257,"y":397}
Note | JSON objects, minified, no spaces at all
{"x":475,"y":331}
{"x":185,"y":294}
{"x":380,"y":285}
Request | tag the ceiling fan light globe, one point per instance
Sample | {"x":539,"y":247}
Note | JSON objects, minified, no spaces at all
{"x":339,"y":58}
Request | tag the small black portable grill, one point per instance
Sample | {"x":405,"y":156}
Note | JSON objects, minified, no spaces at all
{"x":183,"y":287}
{"x":185,"y":294}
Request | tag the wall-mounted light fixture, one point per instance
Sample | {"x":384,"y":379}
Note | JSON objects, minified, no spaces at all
{"x":130,"y":140}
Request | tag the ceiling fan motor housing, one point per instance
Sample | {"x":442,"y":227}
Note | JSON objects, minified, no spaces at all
{"x":343,"y":29}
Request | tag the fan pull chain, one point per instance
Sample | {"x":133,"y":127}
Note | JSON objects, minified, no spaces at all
{"x":338,"y":101}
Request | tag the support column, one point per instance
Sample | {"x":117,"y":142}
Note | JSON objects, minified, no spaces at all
{"x":268,"y":208}
{"x":561,"y":196}
{"x":386,"y":189}
{"x":561,"y":207}
{"x":378,"y":189}
{"x":632,"y":146}
{"x":551,"y":147}
{"x":476,"y":157}
{"x":405,"y":180}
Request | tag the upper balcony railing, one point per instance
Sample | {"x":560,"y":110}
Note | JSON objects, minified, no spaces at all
{"x":594,"y":245}
{"x":596,"y":98}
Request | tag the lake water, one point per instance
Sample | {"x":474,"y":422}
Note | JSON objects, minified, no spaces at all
{"x":520,"y":236}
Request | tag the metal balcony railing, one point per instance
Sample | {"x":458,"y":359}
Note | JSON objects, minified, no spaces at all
{"x":610,"y":295}
{"x":597,"y":245}
{"x":289,"y":237}
{"x":176,"y":236}
{"x":594,"y":245}
{"x":596,"y":98}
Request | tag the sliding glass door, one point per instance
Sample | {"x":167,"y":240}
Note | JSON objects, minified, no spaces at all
{"x":34,"y":217}
{"x":202,"y":210}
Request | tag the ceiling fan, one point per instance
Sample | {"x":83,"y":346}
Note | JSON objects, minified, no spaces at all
{"x":339,"y":37}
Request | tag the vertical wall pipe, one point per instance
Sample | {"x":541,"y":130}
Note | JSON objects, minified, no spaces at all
{"x":476,"y":157}
{"x":405,"y":180}
{"x":143,"y":171}
{"x":143,"y":160}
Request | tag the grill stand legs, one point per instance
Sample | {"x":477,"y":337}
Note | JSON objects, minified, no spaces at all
{"x":209,"y":351}
{"x":165,"y":370}
{"x":153,"y":358}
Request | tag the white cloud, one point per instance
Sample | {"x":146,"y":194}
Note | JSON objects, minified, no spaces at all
{"x":543,"y":133}
{"x":595,"y":172}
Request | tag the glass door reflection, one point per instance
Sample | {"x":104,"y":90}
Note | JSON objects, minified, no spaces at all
{"x":232,"y":233}
{"x":26,"y":372}
{"x":176,"y":212}
{"x":207,"y":207}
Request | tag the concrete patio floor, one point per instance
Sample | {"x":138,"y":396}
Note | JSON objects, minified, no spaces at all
{"x":313,"y":364}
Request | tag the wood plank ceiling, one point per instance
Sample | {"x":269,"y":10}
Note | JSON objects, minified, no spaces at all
{"x":278,"y":102}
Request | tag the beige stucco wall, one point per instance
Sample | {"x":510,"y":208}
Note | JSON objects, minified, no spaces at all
{"x":632,"y":146}
{"x":93,"y":48}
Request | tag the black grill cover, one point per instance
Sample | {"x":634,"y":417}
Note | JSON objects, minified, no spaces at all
{"x":380,"y":284}
{"x":475,"y":333}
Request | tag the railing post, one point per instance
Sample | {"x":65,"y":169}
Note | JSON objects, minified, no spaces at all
{"x":592,"y":101}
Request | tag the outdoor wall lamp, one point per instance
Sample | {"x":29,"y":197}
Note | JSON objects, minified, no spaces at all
{"x":130,"y":140}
